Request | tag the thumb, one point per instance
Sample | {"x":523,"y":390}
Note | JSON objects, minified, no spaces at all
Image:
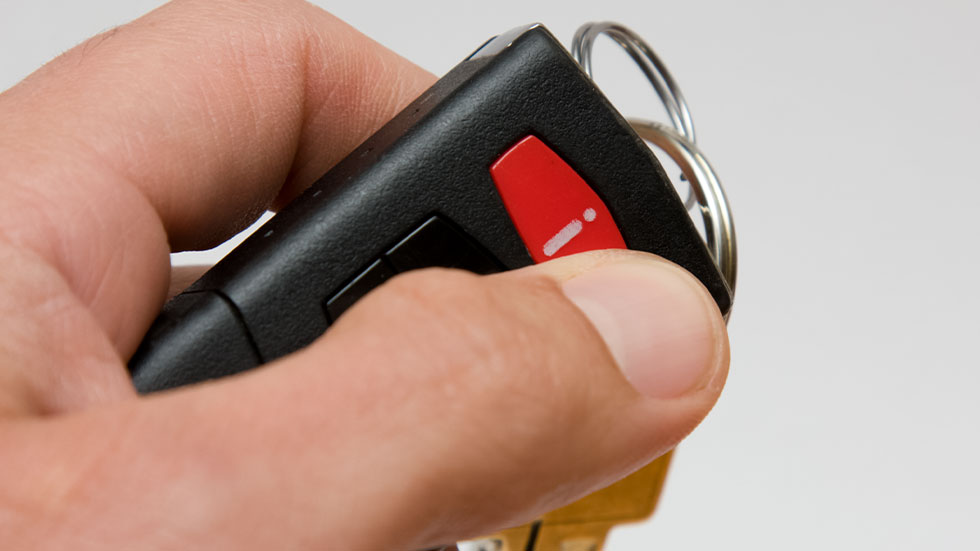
{"x":441,"y":406}
{"x":509,"y":395}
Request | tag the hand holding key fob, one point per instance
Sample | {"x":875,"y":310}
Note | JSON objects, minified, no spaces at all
{"x":512,"y":158}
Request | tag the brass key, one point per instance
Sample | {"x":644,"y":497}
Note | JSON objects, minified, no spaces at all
{"x":584,"y":525}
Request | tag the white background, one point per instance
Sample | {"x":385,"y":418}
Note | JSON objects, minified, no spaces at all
{"x":846,"y":135}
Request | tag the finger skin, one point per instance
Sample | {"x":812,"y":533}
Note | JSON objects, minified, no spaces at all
{"x":442,"y":406}
{"x":171,"y":132}
{"x":177,"y":130}
{"x":181,"y":277}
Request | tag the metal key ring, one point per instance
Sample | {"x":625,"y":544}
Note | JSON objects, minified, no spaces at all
{"x":677,"y":142}
{"x":719,"y":229}
{"x":653,"y":68}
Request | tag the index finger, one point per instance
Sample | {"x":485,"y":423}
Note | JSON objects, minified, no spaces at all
{"x":175,"y":131}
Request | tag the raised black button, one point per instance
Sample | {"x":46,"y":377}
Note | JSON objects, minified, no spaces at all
{"x":437,"y":243}
{"x":375,"y":275}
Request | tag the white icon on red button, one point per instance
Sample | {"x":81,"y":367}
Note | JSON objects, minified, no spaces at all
{"x":567,"y":233}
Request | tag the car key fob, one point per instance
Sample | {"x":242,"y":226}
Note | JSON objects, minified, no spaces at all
{"x":514,"y":157}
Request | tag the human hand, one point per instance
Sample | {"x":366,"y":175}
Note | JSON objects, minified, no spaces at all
{"x":442,"y":406}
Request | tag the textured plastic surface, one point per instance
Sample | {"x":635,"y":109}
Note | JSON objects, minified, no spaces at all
{"x":556,"y":213}
{"x":221,"y":342}
{"x":432,"y":158}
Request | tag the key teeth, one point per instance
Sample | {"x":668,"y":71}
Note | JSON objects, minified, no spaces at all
{"x":589,"y":537}
{"x":512,"y":539}
{"x":572,"y":537}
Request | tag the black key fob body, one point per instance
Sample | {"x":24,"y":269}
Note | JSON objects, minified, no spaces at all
{"x":513,"y":157}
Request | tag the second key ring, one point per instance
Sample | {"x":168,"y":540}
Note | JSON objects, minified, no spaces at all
{"x":678,"y":142}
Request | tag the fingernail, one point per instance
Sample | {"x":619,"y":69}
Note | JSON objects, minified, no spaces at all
{"x":659,"y":324}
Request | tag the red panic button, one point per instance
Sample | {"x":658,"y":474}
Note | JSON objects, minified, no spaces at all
{"x":556,"y":213}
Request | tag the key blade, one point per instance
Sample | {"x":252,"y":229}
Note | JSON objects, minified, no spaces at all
{"x":584,"y":524}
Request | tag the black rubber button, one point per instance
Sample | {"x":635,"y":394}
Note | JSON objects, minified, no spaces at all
{"x":375,"y":275}
{"x":437,"y":243}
